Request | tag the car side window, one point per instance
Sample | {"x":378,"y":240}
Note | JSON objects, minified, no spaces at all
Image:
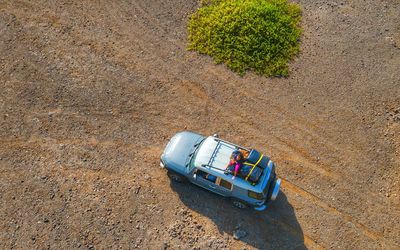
{"x":225,"y":184}
{"x":207,"y":176}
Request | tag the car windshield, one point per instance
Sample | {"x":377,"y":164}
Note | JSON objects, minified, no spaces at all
{"x":192,"y":155}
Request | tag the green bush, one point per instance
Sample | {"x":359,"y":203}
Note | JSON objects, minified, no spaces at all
{"x":262,"y":35}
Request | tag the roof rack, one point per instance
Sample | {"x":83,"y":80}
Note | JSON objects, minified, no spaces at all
{"x":210,"y":166}
{"x":214,"y":153}
{"x":227,"y":142}
{"x":217,"y":147}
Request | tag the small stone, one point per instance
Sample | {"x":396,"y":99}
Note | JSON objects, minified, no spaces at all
{"x":165,"y":245}
{"x":238,"y":234}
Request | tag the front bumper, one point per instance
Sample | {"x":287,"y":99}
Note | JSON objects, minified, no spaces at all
{"x":162,"y":164}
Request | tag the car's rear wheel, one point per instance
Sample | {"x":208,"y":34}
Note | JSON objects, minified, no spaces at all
{"x":176,"y":177}
{"x":239,"y":204}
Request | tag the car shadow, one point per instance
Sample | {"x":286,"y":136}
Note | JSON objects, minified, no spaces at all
{"x":275,"y":227}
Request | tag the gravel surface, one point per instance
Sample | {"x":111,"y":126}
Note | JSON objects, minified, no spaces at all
{"x":92,"y":90}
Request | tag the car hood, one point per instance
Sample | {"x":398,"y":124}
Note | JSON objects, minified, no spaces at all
{"x":176,"y":152}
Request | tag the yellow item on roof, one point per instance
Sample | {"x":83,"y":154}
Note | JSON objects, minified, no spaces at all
{"x":254,"y":166}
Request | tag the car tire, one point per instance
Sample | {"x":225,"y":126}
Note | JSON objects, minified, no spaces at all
{"x":239,"y":204}
{"x":176,"y":177}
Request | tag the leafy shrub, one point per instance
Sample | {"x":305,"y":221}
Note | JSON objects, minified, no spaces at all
{"x":262,"y":35}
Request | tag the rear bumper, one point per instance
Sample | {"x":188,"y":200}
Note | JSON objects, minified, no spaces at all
{"x":260,"y":208}
{"x":274,"y":194}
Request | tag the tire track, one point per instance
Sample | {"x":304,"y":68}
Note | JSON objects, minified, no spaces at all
{"x":295,"y":153}
{"x":153,"y":21}
{"x":300,"y":156}
{"x":308,"y":241}
{"x":294,"y":122}
{"x":376,"y":236}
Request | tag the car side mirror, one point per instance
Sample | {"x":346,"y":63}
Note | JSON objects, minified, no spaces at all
{"x":194,"y":176}
{"x":216,"y":135}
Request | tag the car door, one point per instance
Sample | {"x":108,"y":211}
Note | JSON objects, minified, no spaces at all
{"x":212,"y":183}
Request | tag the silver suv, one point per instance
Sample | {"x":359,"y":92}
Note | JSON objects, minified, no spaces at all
{"x":203,"y":161}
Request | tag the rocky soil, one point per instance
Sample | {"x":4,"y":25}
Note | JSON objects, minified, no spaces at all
{"x":92,"y":90}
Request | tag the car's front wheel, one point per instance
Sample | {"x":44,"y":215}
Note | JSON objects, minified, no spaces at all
{"x":239,"y":204}
{"x":176,"y":177}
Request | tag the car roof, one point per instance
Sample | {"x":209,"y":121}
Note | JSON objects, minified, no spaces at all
{"x":213,"y":156}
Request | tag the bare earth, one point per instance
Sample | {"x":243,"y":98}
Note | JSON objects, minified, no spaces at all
{"x":92,"y":90}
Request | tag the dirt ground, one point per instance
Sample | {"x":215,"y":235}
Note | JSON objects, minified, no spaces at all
{"x":92,"y":90}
